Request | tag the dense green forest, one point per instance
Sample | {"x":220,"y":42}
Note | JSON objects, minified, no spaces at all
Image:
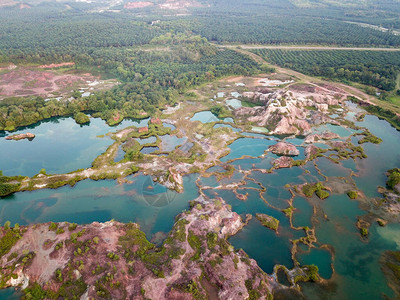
{"x":276,"y":22}
{"x":52,"y":26}
{"x":287,"y":29}
{"x":374,"y":68}
{"x":150,"y":79}
{"x":156,"y":61}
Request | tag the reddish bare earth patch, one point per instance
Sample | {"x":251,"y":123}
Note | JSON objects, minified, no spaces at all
{"x":7,"y":3}
{"x":22,"y":6}
{"x":28,"y":82}
{"x":133,"y":5}
{"x":301,"y":87}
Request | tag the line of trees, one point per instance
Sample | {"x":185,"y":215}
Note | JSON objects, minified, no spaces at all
{"x":374,"y":68}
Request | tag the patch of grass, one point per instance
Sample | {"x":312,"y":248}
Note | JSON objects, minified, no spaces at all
{"x":196,"y":244}
{"x":253,"y":293}
{"x":369,"y":138}
{"x":298,"y":163}
{"x":246,"y":103}
{"x":318,"y":189}
{"x":288,"y":211}
{"x":8,"y":240}
{"x":268,"y":221}
{"x":134,"y":236}
{"x":364,"y":231}
{"x":221,"y":111}
{"x":352,"y":194}
{"x":60,"y":230}
{"x":136,"y":247}
{"x":212,"y":239}
{"x":53,"y":226}
{"x":72,"y":226}
{"x":322,"y":194}
{"x":310,"y":108}
{"x":193,"y":288}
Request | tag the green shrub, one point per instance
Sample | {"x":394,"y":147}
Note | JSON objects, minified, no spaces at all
{"x":322,"y":194}
{"x":393,"y":178}
{"x":312,"y":272}
{"x":212,"y":239}
{"x":352,"y":194}
{"x":268,"y":221}
{"x":72,"y":226}
{"x":8,"y":240}
{"x":369,"y":138}
{"x":318,"y":189}
{"x":7,"y":225}
{"x":53,"y":226}
{"x":364,"y":231}
{"x":81,"y":118}
{"x":7,"y":188}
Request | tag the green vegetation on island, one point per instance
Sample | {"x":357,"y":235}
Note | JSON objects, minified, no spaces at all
{"x":9,"y":184}
{"x":393,"y":178}
{"x":268,"y":221}
{"x":352,"y":194}
{"x":81,"y":118}
{"x":318,"y":188}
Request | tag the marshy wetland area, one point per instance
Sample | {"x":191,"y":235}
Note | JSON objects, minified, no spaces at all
{"x":287,"y":181}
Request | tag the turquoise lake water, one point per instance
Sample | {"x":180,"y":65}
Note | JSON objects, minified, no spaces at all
{"x":10,"y":294}
{"x":149,"y":140}
{"x":247,"y":146}
{"x":62,"y":146}
{"x":208,"y":117}
{"x":149,"y":149}
{"x":150,"y":204}
{"x":234,"y":103}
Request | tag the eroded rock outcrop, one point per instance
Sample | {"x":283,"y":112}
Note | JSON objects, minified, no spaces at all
{"x":291,"y":111}
{"x":326,"y":135}
{"x":311,"y":151}
{"x":283,"y":148}
{"x":283,"y":162}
